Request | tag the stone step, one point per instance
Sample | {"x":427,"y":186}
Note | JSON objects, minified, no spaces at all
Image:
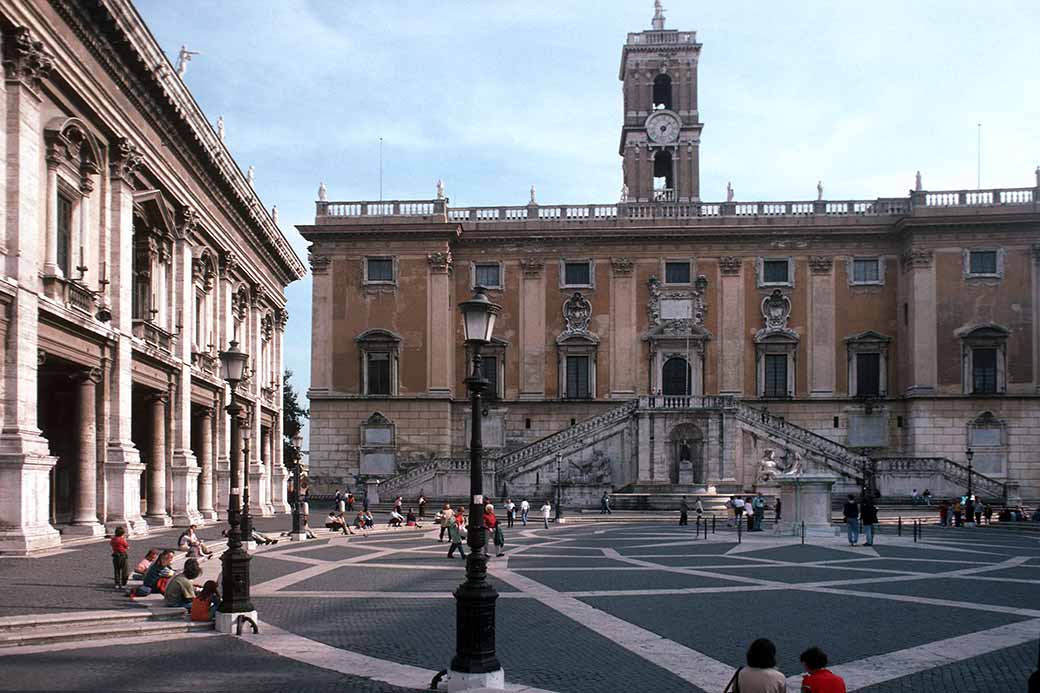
{"x":99,"y":629}
{"x":76,"y":618}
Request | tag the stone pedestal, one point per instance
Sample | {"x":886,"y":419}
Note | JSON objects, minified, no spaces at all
{"x":459,"y":681}
{"x":372,"y":492}
{"x":806,"y":498}
{"x":185,"y":489}
{"x":685,"y":472}
{"x":225,"y":623}
{"x":123,"y":471}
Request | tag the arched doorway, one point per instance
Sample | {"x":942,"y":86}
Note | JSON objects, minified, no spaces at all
{"x":676,"y":377}
{"x":687,"y":450}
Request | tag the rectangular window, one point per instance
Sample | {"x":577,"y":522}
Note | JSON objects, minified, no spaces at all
{"x":64,"y":240}
{"x":577,"y":274}
{"x":775,"y":272}
{"x":487,"y":275}
{"x":578,"y":377}
{"x":983,"y":262}
{"x":776,"y":375}
{"x":378,"y":365}
{"x":489,"y":370}
{"x":677,"y":273}
{"x":866,"y":270}
{"x":380,"y":269}
{"x":868,"y":375}
{"x":984,"y":371}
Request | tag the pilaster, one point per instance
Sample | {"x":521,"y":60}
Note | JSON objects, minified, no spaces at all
{"x":923,"y":371}
{"x":732,"y":337}
{"x":184,"y":467}
{"x":624,"y":344}
{"x":821,"y":327}
{"x":440,"y":370}
{"x":321,"y":323}
{"x":532,"y":329}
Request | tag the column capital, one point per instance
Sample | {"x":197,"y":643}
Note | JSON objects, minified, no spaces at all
{"x":158,"y":397}
{"x":622,"y":266}
{"x":92,"y":375}
{"x":203,"y":412}
{"x":440,"y":262}
{"x":821,"y":264}
{"x":917,"y":257}
{"x":25,"y":59}
{"x":532,"y":267}
{"x":124,"y":158}
{"x":730,"y":264}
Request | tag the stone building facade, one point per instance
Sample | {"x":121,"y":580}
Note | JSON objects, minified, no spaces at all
{"x":664,"y":342}
{"x":133,"y":250}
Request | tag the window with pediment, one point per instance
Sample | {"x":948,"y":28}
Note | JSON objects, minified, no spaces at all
{"x":379,"y":353}
{"x":983,"y":359}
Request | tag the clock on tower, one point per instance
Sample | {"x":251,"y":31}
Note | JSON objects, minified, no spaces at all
{"x":660,"y":136}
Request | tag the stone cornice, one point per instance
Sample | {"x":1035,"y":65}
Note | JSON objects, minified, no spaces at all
{"x":118,"y":39}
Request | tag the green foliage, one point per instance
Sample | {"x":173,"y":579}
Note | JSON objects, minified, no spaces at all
{"x":292,"y":416}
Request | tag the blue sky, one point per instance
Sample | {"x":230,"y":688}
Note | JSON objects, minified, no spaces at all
{"x":494,"y":97}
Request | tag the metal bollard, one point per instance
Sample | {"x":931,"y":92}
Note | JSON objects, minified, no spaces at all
{"x":899,"y":526}
{"x":740,"y":530}
{"x":803,"y":533}
{"x":712,"y":524}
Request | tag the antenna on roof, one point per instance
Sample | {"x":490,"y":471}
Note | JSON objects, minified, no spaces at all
{"x":380,"y":169}
{"x":978,"y":163}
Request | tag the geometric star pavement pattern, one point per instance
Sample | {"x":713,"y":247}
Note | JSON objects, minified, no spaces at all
{"x":596,"y":607}
{"x":618,"y":606}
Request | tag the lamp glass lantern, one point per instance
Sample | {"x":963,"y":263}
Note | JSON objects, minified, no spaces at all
{"x":233,"y":364}
{"x":478,"y":317}
{"x":297,"y":441}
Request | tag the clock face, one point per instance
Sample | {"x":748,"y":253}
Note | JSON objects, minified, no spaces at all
{"x":662,"y":128}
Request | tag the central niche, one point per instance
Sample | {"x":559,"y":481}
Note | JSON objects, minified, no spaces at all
{"x":677,"y":338}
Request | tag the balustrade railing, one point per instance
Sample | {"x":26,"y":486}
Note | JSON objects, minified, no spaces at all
{"x":153,"y":334}
{"x":986,"y":486}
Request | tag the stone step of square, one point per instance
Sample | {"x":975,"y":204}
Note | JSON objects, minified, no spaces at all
{"x":101,"y":629}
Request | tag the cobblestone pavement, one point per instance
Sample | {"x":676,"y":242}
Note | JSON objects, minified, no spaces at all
{"x":602,"y":607}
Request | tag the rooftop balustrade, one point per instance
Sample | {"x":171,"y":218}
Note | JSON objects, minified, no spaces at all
{"x":923,"y":203}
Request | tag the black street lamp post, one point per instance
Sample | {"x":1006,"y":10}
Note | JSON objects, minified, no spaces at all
{"x":297,"y":523}
{"x":247,"y":518}
{"x":475,"y":662}
{"x":559,"y":487}
{"x":235,"y":598}
{"x":970,"y":454}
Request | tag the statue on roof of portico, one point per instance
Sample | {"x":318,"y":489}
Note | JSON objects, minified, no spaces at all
{"x":532,"y":201}
{"x":250,"y":175}
{"x":658,"y":21}
{"x":323,"y":193}
{"x":1038,"y":176}
{"x":729,"y":191}
{"x":917,"y":182}
{"x":274,"y":214}
{"x":440,"y":189}
{"x":624,"y":192}
{"x":220,"y":128}
{"x":819,"y":190}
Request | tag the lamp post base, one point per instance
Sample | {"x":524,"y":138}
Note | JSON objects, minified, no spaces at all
{"x":461,"y":681}
{"x":298,"y":536}
{"x":228,"y":623}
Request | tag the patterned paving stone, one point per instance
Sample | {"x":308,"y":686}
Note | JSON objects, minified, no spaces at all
{"x":621,"y":580}
{"x":795,"y":574}
{"x":204,"y":664}
{"x":358,"y":577}
{"x":1014,"y":594}
{"x":849,"y":628}
{"x":333,"y":553}
{"x":1003,"y":670}
{"x":712,"y":548}
{"x":263,"y":569}
{"x":798,"y":553}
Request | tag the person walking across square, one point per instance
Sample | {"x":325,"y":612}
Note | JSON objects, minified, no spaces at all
{"x":455,"y":537}
{"x":525,"y":508}
{"x":868,"y":517}
{"x":604,"y":504}
{"x":851,"y":513}
{"x":120,"y":551}
{"x":510,"y":512}
{"x":684,"y":512}
{"x":546,"y":511}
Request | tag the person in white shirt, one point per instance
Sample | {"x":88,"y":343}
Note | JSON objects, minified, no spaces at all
{"x":396,"y":519}
{"x":546,"y":511}
{"x":525,"y":508}
{"x":510,"y":512}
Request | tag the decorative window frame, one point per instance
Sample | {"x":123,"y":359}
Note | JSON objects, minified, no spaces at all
{"x":576,"y":344}
{"x":776,"y":343}
{"x":497,"y":350}
{"x":868,"y":342}
{"x":669,"y":260}
{"x":379,"y":282}
{"x":379,"y":341}
{"x":760,"y":272}
{"x":563,"y":273}
{"x":851,"y":270}
{"x":501,"y":275}
{"x":377,"y":422}
{"x":966,"y":256}
{"x":983,"y":336}
{"x":987,"y":421}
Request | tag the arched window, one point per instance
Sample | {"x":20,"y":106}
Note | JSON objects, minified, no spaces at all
{"x":675,"y":377}
{"x":662,"y":92}
{"x":664,"y":182}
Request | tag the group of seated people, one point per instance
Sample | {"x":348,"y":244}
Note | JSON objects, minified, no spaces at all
{"x":190,"y":543}
{"x":178,"y":589}
{"x":1018,"y":514}
{"x":398,"y":520}
{"x":336,"y":522}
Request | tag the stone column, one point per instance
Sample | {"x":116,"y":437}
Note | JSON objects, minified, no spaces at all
{"x":204,"y":422}
{"x":731,"y":327}
{"x":624,"y":344}
{"x":156,"y":513}
{"x":123,"y":466}
{"x":25,"y":459}
{"x":321,"y":323}
{"x":279,"y":475}
{"x":821,"y":327}
{"x":84,"y":512}
{"x":532,"y":329}
{"x":917,"y":263}
{"x":185,"y":469}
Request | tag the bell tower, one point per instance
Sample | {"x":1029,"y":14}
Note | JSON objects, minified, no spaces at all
{"x":661,"y":133}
